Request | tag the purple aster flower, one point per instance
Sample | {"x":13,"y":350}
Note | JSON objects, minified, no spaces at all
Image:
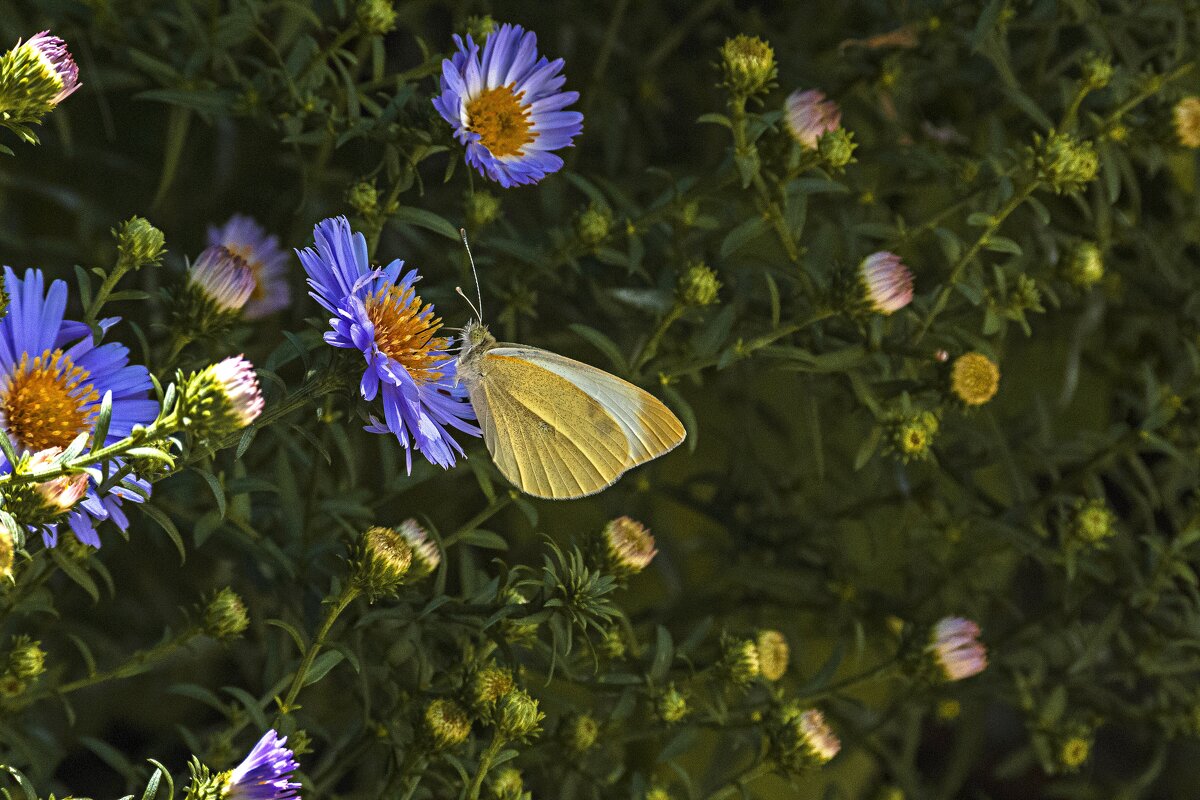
{"x":506,"y":107}
{"x":58,"y":61}
{"x":809,"y":116}
{"x":223,"y":278}
{"x":53,"y":377}
{"x":265,"y":774}
{"x":377,"y":312}
{"x":956,"y":648}
{"x":887,"y":283}
{"x":245,"y":238}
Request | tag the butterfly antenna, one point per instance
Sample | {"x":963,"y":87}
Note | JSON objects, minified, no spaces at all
{"x":478,"y":292}
{"x":472,"y":305}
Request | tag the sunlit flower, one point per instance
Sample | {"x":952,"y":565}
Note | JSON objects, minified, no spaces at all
{"x":956,"y":648}
{"x":248,"y":240}
{"x":265,"y":774}
{"x":223,"y":397}
{"x":377,"y":312}
{"x":53,"y":378}
{"x":809,"y":116}
{"x":57,"y":61}
{"x":818,"y":738}
{"x":506,"y":107}
{"x":221,"y":279}
{"x":887,"y":284}
{"x":629,"y":547}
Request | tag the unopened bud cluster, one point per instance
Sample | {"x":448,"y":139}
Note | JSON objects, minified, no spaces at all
{"x":25,"y":663}
{"x":139,"y":244}
{"x":698,"y":285}
{"x":1065,"y":163}
{"x":748,"y":65}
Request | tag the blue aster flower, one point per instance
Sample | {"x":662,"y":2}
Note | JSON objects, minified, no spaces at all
{"x":265,"y":774}
{"x":377,"y":312}
{"x":53,"y":376}
{"x":506,"y":107}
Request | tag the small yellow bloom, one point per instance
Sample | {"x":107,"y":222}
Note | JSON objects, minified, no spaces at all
{"x":974,"y":378}
{"x":1075,"y":752}
{"x":1187,"y":121}
{"x":772,"y":654}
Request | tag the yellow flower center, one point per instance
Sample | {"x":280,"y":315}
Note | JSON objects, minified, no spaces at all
{"x":47,"y":401}
{"x":404,"y":334}
{"x":502,"y":123}
{"x":975,"y":378}
{"x":246,"y":253}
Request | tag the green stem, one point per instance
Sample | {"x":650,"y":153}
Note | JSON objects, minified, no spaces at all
{"x":879,"y":670}
{"x":106,"y":289}
{"x":745,"y":350}
{"x":485,"y":764}
{"x":651,"y":348}
{"x":135,"y":665}
{"x":736,"y":786}
{"x":474,"y":522}
{"x":960,"y":266}
{"x":323,"y":55}
{"x":339,"y":605}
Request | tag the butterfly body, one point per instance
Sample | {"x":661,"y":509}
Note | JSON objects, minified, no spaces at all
{"x":558,"y":428}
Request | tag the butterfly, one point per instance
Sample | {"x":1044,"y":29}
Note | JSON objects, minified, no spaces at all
{"x":555,"y":427}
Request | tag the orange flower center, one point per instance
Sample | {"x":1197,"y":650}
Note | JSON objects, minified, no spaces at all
{"x":246,"y":253}
{"x":47,"y":401}
{"x":404,"y":333}
{"x":502,"y":123}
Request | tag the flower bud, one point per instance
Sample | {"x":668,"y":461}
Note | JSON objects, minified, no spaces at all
{"x":593,"y":224}
{"x":739,"y":661}
{"x":628,"y":546}
{"x":1084,"y":267}
{"x":376,"y":16}
{"x":363,"y":197}
{"x":580,"y":732}
{"x":1091,"y":523}
{"x":807,"y":740}
{"x":481,"y":208}
{"x":748,"y":64}
{"x":39,"y":504}
{"x":809,"y":116}
{"x":885,"y":282}
{"x":612,"y":642}
{"x":955,"y":648}
{"x":1187,"y":121}
{"x":1075,"y":750}
{"x":657,"y":793}
{"x":225,"y":615}
{"x":1064,"y":162}
{"x":911,"y":435}
{"x":36,"y":76}
{"x":383,"y":560}
{"x":446,"y":723}
{"x":488,"y":685}
{"x":220,"y":280}
{"x":425,"y":554}
{"x":26,"y":659}
{"x":1096,"y":70}
{"x":480,"y":26}
{"x":698,"y":285}
{"x":974,"y":378}
{"x":517,"y":631}
{"x":773,"y":654}
{"x":671,"y":706}
{"x":221,"y":398}
{"x":508,"y":785}
{"x":138,"y":244}
{"x":518,"y":717}
{"x":836,"y":149}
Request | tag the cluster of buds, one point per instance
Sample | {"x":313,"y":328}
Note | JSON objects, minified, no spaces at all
{"x":363,"y":197}
{"x":221,"y":398}
{"x":593,"y":224}
{"x":671,"y":706}
{"x":25,"y":663}
{"x":910,"y":434}
{"x":698,"y":286}
{"x":1065,"y":163}
{"x":1091,"y":523}
{"x":35,"y":76}
{"x":801,"y":739}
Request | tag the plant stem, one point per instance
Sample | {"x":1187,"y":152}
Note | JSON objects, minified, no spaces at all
{"x":485,"y":764}
{"x":744,"y":350}
{"x":136,"y":664}
{"x":493,"y":508}
{"x":735,"y":786}
{"x":106,"y":288}
{"x":349,"y":592}
{"x":651,"y":348}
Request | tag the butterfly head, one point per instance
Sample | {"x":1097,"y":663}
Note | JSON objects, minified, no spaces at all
{"x":476,"y":341}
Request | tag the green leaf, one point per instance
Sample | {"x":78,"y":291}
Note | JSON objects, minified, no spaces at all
{"x":168,"y":527}
{"x":603,"y":344}
{"x":322,"y":664}
{"x":742,"y":235}
{"x":426,"y":219}
{"x":664,"y":654}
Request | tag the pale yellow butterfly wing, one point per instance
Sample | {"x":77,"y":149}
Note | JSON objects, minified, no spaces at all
{"x":560,"y":429}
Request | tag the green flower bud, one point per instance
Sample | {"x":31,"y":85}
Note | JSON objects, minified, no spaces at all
{"x":1074,"y":752}
{"x":205,"y":784}
{"x":12,"y":687}
{"x":221,"y":398}
{"x":580,"y":732}
{"x":376,"y":16}
{"x":612,"y":643}
{"x":1091,"y":523}
{"x":481,"y":208}
{"x":508,"y":785}
{"x":1025,"y":295}
{"x":487,"y":687}
{"x":739,"y":661}
{"x":773,"y":653}
{"x":35,"y":76}
{"x":748,"y":64}
{"x":139,"y":244}
{"x":480,"y":26}
{"x":518,"y":717}
{"x":446,"y":724}
{"x":911,"y":435}
{"x":26,"y":659}
{"x":593,"y":224}
{"x":1064,"y":162}
{"x":363,"y":197}
{"x":836,"y":149}
{"x":698,"y":285}
{"x":1084,"y":267}
{"x":1097,"y":71}
{"x":671,"y":706}
{"x":225,"y":615}
{"x":384,"y":558}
